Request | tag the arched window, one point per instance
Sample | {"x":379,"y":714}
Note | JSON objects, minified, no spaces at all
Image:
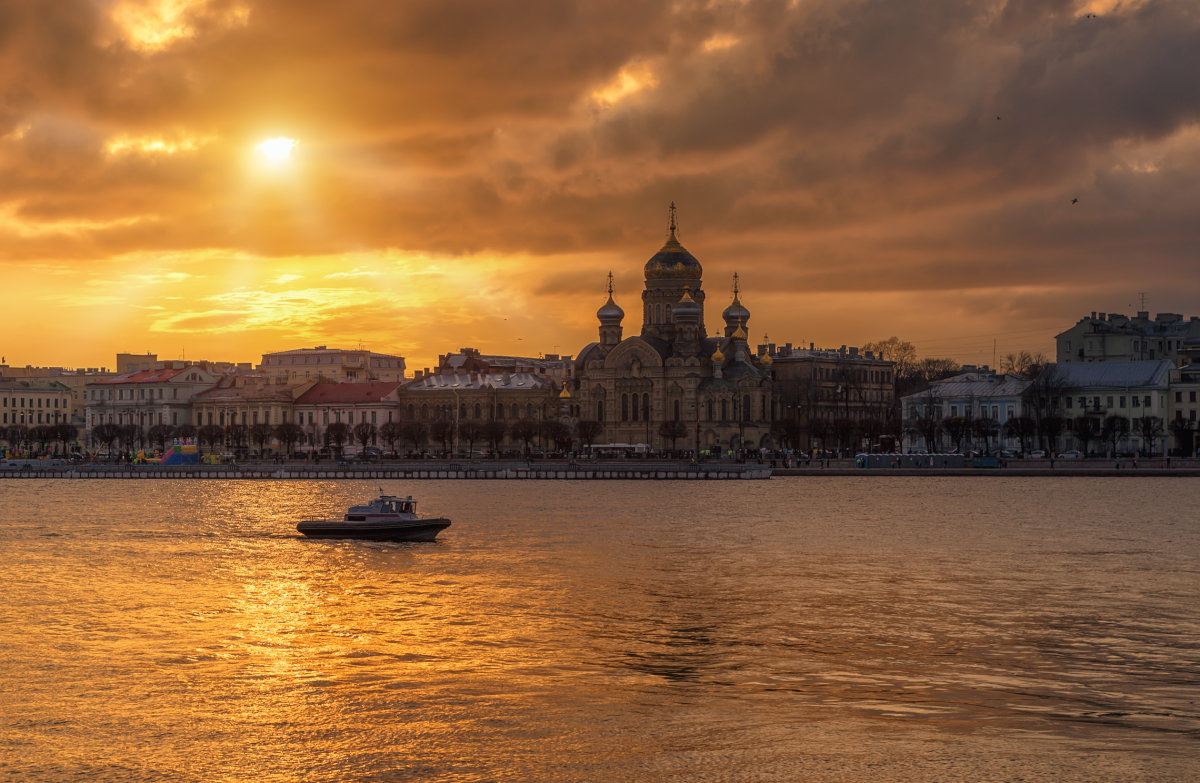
{"x":646,"y":407}
{"x":516,"y":411}
{"x":724,"y":410}
{"x":599,"y":410}
{"x":499,"y":412}
{"x":709,"y":405}
{"x":624,"y":407}
{"x":746,"y":407}
{"x":424,"y":412}
{"x":478,"y":411}
{"x":635,"y":407}
{"x":668,"y":313}
{"x":658,"y":314}
{"x":676,"y":410}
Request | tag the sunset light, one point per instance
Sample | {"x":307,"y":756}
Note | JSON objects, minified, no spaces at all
{"x":963,"y":187}
{"x":277,"y":149}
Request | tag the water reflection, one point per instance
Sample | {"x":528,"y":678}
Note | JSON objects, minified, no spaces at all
{"x":592,"y":630}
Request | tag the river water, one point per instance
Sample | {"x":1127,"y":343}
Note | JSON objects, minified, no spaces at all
{"x":817,"y":629}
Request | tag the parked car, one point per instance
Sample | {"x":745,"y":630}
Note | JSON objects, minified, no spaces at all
{"x":1037,"y":454}
{"x":1072,"y":454}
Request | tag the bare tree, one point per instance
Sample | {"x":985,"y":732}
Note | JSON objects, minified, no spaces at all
{"x":1086,"y":429}
{"x":364,"y":433}
{"x":159,"y":434}
{"x":336,"y":435}
{"x":391,"y":431}
{"x":526,"y":431}
{"x":1151,"y":428}
{"x":442,"y":431}
{"x":261,"y":434}
{"x":494,"y":433}
{"x":288,"y":433}
{"x":1023,"y":428}
{"x":470,"y":431}
{"x":671,"y":430}
{"x":1113,"y":429}
{"x":416,"y":433}
{"x":588,"y":430}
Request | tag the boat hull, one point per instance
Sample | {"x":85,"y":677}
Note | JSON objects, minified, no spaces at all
{"x":416,"y":530}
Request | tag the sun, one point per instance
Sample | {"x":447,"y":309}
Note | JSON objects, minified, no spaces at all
{"x":277,"y":149}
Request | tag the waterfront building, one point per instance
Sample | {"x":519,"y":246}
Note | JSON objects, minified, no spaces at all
{"x":1184,"y":409}
{"x":236,"y":401}
{"x":968,"y":411}
{"x":1136,"y":392}
{"x":34,"y":402}
{"x":144,"y":398}
{"x":75,"y":379}
{"x":833,"y":398}
{"x":490,"y":403}
{"x":371,"y":403}
{"x":335,"y":365}
{"x":1113,"y":337}
{"x":673,"y":385}
{"x":552,"y":367}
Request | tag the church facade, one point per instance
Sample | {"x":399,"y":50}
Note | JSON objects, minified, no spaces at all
{"x":673,"y":386}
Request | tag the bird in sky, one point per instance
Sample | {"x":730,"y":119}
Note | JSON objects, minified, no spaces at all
{"x":1074,"y":201}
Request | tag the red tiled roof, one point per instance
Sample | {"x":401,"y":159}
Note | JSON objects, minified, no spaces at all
{"x":144,"y":376}
{"x":346,"y":393}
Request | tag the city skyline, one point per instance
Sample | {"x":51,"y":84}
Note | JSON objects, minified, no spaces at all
{"x":218,"y":180}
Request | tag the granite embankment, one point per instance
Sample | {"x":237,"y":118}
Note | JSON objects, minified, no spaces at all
{"x":586,"y":470}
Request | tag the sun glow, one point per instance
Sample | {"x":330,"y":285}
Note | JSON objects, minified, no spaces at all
{"x":277,"y":149}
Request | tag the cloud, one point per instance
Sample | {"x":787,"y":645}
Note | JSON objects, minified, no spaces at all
{"x":824,"y":147}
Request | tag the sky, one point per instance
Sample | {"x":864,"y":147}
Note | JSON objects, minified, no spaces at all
{"x":969,"y":175}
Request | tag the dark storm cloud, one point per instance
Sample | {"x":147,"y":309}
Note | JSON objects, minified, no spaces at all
{"x":916,"y":145}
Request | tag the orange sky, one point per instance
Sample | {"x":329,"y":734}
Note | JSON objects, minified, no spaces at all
{"x":468,"y":171}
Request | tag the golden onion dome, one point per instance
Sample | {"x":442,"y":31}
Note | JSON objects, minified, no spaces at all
{"x":687,"y":308}
{"x":673,"y":262}
{"x":565,"y":394}
{"x":717,"y":356}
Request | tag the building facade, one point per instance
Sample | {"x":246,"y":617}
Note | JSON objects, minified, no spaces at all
{"x":841,"y":399}
{"x":246,"y":404}
{"x":969,"y":411}
{"x":350,"y":404}
{"x":1136,"y":392}
{"x":147,"y":397}
{"x":334,"y":365}
{"x":672,"y":384}
{"x":1113,"y":337}
{"x":31,"y":403}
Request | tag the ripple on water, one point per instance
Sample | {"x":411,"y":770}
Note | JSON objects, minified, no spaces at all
{"x":823,"y":629}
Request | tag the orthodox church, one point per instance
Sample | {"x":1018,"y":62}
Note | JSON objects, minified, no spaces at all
{"x":712,"y":392}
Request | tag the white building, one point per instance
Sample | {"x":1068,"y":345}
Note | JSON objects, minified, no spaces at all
{"x":976,"y":397}
{"x":1113,"y":337}
{"x":1135,"y":391}
{"x":147,"y":397}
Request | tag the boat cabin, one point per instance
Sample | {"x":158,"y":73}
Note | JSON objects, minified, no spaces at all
{"x":394,"y":505}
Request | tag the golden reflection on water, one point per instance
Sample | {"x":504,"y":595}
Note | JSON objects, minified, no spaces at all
{"x":592,"y":631}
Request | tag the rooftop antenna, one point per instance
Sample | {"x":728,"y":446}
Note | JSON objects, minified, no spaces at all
{"x":1142,"y":300}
